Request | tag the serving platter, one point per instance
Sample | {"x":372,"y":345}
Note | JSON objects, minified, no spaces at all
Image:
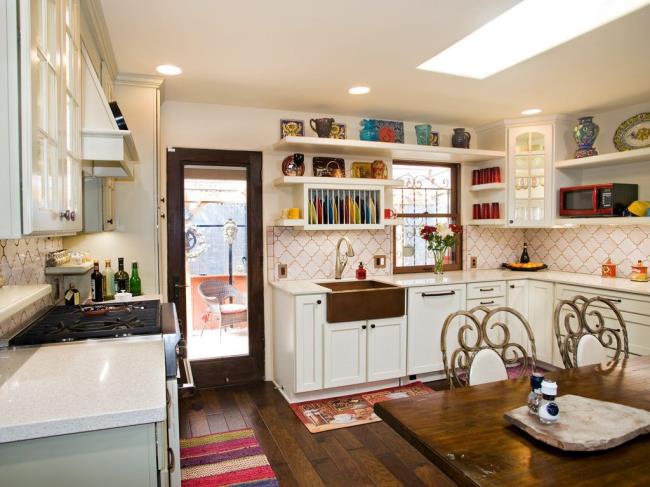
{"x":535,"y":268}
{"x":633,"y":133}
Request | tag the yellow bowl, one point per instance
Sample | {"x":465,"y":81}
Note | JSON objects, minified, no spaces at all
{"x":639,"y":208}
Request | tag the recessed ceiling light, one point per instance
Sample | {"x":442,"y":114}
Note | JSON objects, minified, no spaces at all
{"x":532,"y":111}
{"x":169,"y":69}
{"x":526,"y":30}
{"x":359,"y":90}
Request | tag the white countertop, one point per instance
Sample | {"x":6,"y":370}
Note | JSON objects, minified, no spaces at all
{"x":16,"y":298}
{"x":300,"y":287}
{"x":73,"y":387}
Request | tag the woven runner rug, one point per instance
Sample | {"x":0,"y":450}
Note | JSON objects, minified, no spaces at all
{"x":224,"y":459}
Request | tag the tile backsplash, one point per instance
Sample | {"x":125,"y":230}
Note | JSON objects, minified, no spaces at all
{"x":23,"y":262}
{"x":491,"y":246}
{"x":310,"y":255}
{"x":584,"y":249}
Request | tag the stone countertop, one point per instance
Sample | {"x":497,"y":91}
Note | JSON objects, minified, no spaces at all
{"x":67,"y":388}
{"x":301,"y":287}
{"x":16,"y":298}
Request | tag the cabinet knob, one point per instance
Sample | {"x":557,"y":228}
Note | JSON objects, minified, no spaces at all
{"x":363,"y":327}
{"x":73,"y":215}
{"x":511,"y":221}
{"x":318,"y":302}
{"x":372,"y":326}
{"x":65,"y":215}
{"x":512,"y":286}
{"x":109,"y":221}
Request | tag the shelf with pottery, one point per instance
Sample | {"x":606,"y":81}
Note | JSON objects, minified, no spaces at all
{"x":603,"y":160}
{"x":487,"y":221}
{"x":487,"y":187}
{"x":361,"y":183}
{"x":322,"y":145}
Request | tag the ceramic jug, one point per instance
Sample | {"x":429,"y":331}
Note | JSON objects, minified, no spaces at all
{"x":422,"y":133}
{"x":322,"y":126}
{"x":460,"y":139}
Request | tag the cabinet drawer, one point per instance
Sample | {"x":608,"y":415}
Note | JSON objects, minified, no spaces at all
{"x":479,"y":290}
{"x":489,"y":302}
{"x":625,"y":302}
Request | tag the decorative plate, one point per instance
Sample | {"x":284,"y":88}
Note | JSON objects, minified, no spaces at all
{"x":325,"y":166}
{"x":397,"y":129}
{"x":290,"y":168}
{"x":530,"y":267}
{"x":634,"y":133}
{"x":362,"y":170}
{"x":292,"y":127}
{"x":338,"y":131}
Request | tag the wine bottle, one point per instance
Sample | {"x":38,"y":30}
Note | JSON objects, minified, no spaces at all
{"x":135,"y":285}
{"x":96,"y":284}
{"x":524,"y":259}
{"x":121,"y":277}
{"x":109,"y":278}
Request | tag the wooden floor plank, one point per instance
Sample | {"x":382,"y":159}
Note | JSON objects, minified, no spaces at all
{"x":210,"y":402}
{"x":217,"y":423}
{"x":371,"y":466}
{"x":198,"y":422}
{"x":231,"y":412}
{"x":347,"y":468}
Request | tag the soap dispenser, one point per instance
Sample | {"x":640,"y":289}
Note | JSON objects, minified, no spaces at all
{"x":361,"y":272}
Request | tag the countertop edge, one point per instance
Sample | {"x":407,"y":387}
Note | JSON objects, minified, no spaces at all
{"x":31,"y":431}
{"x":36,"y":292}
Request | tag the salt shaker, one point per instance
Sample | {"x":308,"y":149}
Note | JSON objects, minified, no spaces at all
{"x":535,"y":395}
{"x":549,"y":411}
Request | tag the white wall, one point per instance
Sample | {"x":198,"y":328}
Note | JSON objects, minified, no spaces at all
{"x":136,"y":234}
{"x":238,"y":128}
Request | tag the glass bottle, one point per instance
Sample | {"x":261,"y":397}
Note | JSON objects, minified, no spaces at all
{"x":96,"y":284}
{"x":109,"y":279}
{"x":121,"y":277}
{"x":135,"y":285}
{"x":549,"y":411}
{"x":524,"y":259}
{"x":535,"y":395}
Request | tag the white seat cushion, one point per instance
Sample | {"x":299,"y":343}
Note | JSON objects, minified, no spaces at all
{"x":487,"y":366}
{"x":230,"y":309}
{"x":590,"y":351}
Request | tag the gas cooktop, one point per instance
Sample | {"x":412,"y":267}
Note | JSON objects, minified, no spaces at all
{"x":70,"y":323}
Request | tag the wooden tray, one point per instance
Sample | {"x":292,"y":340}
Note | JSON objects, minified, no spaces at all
{"x":585,"y":424}
{"x":524,"y":269}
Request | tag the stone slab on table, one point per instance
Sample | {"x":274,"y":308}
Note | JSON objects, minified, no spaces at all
{"x":585,"y":424}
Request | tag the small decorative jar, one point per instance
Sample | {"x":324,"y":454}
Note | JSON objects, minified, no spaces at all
{"x":549,"y":411}
{"x":585,"y":134}
{"x":361,"y":272}
{"x":608,"y":268}
{"x":639,"y":272}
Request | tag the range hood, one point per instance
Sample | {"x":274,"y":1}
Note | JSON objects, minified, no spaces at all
{"x":106,"y":150}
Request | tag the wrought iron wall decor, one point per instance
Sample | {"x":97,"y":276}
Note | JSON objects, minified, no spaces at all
{"x":474,"y":336}
{"x":578,"y":320}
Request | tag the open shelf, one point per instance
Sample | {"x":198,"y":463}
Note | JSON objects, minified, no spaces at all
{"x":290,"y":180}
{"x":486,"y":221}
{"x":617,"y":221}
{"x":487,"y":187}
{"x":290,"y":222}
{"x":317,"y":145}
{"x":625,"y":157}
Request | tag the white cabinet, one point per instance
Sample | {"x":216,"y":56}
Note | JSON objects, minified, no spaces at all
{"x":344,"y":353}
{"x":386,"y":348}
{"x":309,"y":322}
{"x":517,"y":299}
{"x":98,"y":204}
{"x":50,"y":116}
{"x":494,"y":334}
{"x":428,"y":307}
{"x":540,"y":318}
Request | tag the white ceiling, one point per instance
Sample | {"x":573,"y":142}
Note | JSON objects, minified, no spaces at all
{"x":303,"y":55}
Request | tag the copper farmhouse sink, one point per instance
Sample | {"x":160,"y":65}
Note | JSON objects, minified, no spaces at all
{"x":363,"y":300}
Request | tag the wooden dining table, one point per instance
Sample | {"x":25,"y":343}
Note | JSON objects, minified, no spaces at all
{"x":464,"y":433}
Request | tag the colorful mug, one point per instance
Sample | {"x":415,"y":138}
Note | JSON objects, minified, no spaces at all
{"x":388,"y":214}
{"x":294,"y":213}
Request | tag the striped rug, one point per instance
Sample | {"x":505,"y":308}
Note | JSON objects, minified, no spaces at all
{"x":233,"y":458}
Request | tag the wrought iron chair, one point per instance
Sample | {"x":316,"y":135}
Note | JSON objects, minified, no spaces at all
{"x":224,"y":302}
{"x":482,"y":357}
{"x":583,"y":342}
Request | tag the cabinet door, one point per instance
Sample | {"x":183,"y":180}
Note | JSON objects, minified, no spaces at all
{"x":494,"y":334}
{"x":428,"y":307}
{"x":517,"y":299}
{"x":540,"y":318}
{"x":310,"y":318}
{"x":344,"y":353}
{"x":386,"y":348}
{"x":530,"y":172}
{"x":108,"y":206}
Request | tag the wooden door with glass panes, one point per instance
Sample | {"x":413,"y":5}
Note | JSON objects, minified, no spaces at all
{"x":530,"y":176}
{"x":51,"y":115}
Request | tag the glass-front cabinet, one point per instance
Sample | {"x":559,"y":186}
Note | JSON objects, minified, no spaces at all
{"x":530,"y":192}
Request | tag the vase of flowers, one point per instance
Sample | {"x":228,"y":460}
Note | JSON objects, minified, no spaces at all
{"x":440,"y":238}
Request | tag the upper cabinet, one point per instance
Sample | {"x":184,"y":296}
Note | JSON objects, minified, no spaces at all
{"x":40,"y":118}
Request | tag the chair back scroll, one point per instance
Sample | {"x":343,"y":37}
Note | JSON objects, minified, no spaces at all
{"x":474,"y":335}
{"x":573,"y":319}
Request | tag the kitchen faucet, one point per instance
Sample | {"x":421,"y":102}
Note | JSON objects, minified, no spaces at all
{"x":342,"y":259}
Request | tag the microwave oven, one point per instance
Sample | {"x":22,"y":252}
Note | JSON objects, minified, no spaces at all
{"x":610,"y":199}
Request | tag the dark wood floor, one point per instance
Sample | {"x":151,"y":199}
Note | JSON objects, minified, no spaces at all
{"x":366,"y":455}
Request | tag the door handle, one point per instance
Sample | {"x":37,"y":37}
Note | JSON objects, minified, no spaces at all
{"x":487,"y":302}
{"x":432,"y":295}
{"x":485,"y":289}
{"x":180,"y":286}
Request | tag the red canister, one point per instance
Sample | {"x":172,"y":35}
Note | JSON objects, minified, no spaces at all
{"x":475,"y":177}
{"x":495,"y":211}
{"x":476,"y":211}
{"x":486,"y":214}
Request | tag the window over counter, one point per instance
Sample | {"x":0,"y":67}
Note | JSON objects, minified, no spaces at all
{"x":429,"y":195}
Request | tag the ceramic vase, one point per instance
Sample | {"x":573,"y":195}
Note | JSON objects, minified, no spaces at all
{"x":422,"y":133}
{"x":460,"y":139}
{"x":585,"y":134}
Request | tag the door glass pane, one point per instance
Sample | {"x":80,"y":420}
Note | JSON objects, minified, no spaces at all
{"x":216,"y":261}
{"x":536,"y":142}
{"x":521,"y":143}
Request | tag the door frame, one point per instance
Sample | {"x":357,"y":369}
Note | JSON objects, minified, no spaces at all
{"x":229,"y":370}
